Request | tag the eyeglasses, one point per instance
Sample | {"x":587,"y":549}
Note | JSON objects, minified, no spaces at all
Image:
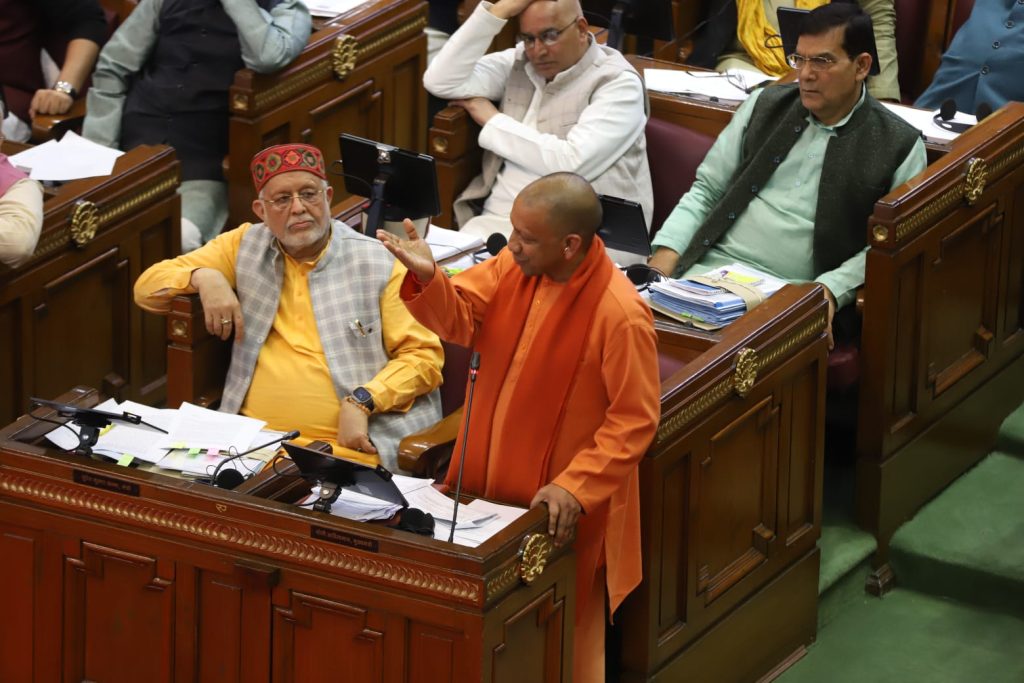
{"x":549,"y":37}
{"x":819,"y":63}
{"x":309,"y":199}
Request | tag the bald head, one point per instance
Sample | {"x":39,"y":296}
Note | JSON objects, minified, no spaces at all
{"x":561,"y":10}
{"x":569,"y":202}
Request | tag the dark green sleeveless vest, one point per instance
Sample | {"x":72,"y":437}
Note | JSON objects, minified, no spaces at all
{"x":857,"y":170}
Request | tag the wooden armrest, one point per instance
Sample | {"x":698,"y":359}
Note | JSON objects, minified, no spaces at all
{"x":453,"y":143}
{"x":424,"y":453}
{"x":46,"y":127}
{"x":197,"y":361}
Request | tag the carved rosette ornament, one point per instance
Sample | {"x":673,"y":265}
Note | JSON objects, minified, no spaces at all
{"x":974,"y":183}
{"x":533,"y":557}
{"x":746,"y":371}
{"x":344,"y":55}
{"x":84,"y":222}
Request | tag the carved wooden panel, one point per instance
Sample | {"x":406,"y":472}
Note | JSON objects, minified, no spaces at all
{"x":435,"y":651}
{"x":530,"y":647}
{"x":1013,"y":307}
{"x":309,"y":628}
{"x":19,"y":549}
{"x":76,"y":305}
{"x":798,"y":471}
{"x":154,"y":244}
{"x":118,"y":616}
{"x":735,"y":497}
{"x":905,"y":341}
{"x":357,"y":110}
{"x":11,"y":363}
{"x":406,"y":105}
{"x":963,"y":284}
{"x":669,"y":541}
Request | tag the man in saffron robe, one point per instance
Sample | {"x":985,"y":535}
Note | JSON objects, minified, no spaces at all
{"x":568,"y":395}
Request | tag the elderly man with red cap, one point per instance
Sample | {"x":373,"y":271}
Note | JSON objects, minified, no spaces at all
{"x":322,"y":341}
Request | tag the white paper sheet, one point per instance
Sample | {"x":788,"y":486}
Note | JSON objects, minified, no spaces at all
{"x":446,"y":243}
{"x":500,"y":517}
{"x":729,"y":87}
{"x":203,"y":428}
{"x":330,"y":8}
{"x":72,"y":158}
{"x":924,"y":121}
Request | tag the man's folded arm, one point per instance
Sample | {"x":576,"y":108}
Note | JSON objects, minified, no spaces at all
{"x":122,"y":56}
{"x":165,"y":280}
{"x":631,"y":377}
{"x":269,"y":40}
{"x":415,"y":352}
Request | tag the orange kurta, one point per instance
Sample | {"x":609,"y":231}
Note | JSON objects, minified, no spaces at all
{"x":610,"y":413}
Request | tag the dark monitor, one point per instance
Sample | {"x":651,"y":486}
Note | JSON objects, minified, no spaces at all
{"x":375,"y":482}
{"x":644,"y":18}
{"x":623,"y":226}
{"x":399,"y":183}
{"x":789,"y":28}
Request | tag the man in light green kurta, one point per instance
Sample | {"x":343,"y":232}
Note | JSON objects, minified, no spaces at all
{"x":795,"y":209}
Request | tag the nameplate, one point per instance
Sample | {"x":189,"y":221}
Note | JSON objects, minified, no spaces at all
{"x":106,"y":483}
{"x":343,"y":538}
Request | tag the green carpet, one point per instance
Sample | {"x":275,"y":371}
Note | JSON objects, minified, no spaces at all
{"x":844,"y":545}
{"x":908,"y":637}
{"x":1011,"y":434}
{"x":968,"y":543}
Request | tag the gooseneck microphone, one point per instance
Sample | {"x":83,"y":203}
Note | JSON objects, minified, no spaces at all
{"x":229,"y":479}
{"x":495,"y":243}
{"x":474,"y":368}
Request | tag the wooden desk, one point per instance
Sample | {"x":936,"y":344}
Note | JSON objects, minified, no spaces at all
{"x":68,"y":314}
{"x":362,"y":73}
{"x":943,"y":344}
{"x":114,"y":575}
{"x":731,"y":498}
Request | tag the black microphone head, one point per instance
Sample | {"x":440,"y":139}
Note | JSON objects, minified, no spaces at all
{"x":983,"y":110}
{"x":229,"y":479}
{"x":474,"y":361}
{"x":496,"y":242}
{"x":948,"y":110}
{"x":291,"y":436}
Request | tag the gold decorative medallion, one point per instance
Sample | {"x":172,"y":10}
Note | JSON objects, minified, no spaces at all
{"x":84,"y":222}
{"x":974,"y":182}
{"x":746,"y":371}
{"x":880,"y":233}
{"x":221,"y":507}
{"x":344,"y":55}
{"x":533,"y":557}
{"x":179,"y":329}
{"x":439,"y":144}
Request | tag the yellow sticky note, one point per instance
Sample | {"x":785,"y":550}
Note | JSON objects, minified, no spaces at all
{"x":741,"y":279}
{"x":125,"y":460}
{"x":106,"y":429}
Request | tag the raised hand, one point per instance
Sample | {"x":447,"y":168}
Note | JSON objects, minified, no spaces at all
{"x":413,"y":252}
{"x":506,"y":9}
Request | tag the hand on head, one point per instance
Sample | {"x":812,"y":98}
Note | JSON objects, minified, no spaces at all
{"x":506,"y":9}
{"x":413,"y":252}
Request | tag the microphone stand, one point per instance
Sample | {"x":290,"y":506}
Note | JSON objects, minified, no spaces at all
{"x":216,"y":472}
{"x":474,"y":367}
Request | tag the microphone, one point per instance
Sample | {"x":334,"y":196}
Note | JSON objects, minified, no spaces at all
{"x":983,"y":110}
{"x":229,"y":479}
{"x":495,"y":243}
{"x":944,"y":118}
{"x":474,"y":368}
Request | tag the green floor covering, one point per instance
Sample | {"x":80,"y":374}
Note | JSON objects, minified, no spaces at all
{"x":908,"y":637}
{"x":968,"y":543}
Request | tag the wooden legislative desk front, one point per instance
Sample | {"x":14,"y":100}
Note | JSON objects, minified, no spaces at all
{"x":731,"y":499}
{"x":361,"y":73}
{"x":67,"y":314}
{"x":942,"y":345}
{"x":115,"y":575}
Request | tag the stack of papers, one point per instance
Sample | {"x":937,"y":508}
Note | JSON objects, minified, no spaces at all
{"x":196,"y":442}
{"x":331,"y":8}
{"x":709,"y":307}
{"x":445,"y":243}
{"x":72,"y":158}
{"x":732,"y":86}
{"x":362,"y":508}
{"x":496,"y":517}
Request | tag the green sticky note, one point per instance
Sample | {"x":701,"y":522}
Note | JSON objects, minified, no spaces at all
{"x":193,"y":452}
{"x":125,"y":460}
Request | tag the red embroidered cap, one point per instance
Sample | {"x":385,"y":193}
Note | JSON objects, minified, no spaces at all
{"x":285,"y":158}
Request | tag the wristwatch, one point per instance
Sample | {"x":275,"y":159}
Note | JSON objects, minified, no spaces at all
{"x":66,"y":88}
{"x":362,"y":398}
